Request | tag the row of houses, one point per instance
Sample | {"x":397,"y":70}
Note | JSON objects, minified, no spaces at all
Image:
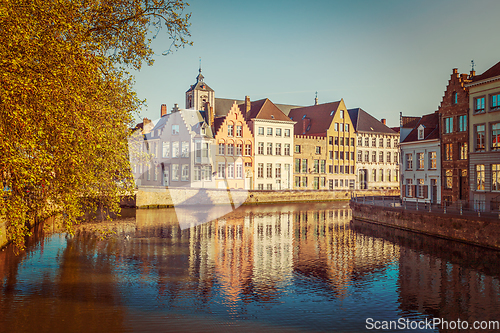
{"x":452,"y":154}
{"x":244,"y":144}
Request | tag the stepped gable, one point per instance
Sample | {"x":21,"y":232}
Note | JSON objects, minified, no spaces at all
{"x":320,"y":117}
{"x":364,"y":122}
{"x":491,"y":72}
{"x":431,"y":128}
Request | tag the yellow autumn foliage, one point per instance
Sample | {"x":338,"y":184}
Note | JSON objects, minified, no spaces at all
{"x":67,"y":101}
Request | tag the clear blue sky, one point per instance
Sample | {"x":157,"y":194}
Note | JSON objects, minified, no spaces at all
{"x":383,"y":56}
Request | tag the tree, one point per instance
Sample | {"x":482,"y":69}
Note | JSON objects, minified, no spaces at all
{"x":67,"y":103}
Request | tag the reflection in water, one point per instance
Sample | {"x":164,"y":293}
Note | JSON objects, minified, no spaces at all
{"x":289,"y":267}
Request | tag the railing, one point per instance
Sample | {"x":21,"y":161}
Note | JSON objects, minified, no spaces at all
{"x":478,"y":207}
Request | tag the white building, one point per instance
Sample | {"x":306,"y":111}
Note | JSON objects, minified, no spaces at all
{"x":377,"y":162}
{"x":421,"y":161}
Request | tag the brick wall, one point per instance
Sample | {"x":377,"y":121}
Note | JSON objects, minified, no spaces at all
{"x":479,"y":231}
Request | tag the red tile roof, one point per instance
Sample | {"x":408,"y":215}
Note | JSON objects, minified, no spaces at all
{"x":320,"y":116}
{"x":431,"y":128}
{"x":264,"y":109}
{"x":493,"y":71}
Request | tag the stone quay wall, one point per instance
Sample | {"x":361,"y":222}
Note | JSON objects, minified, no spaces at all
{"x":481,"y":231}
{"x":151,"y":197}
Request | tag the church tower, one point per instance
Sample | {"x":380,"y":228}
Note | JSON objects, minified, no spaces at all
{"x":200,"y":96}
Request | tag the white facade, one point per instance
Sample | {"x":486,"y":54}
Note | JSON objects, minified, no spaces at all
{"x":377,"y":161}
{"x":421,"y":170}
{"x":273,"y":144}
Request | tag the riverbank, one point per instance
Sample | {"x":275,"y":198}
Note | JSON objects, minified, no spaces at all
{"x":480,"y":231}
{"x":155,"y":197}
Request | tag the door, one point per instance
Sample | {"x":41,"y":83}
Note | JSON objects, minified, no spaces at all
{"x":464,"y":186}
{"x":165,"y":176}
{"x":434,"y":191}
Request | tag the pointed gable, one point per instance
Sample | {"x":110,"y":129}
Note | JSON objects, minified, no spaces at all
{"x":430,"y":125}
{"x":318,"y":118}
{"x":265,"y":109}
{"x":364,"y":122}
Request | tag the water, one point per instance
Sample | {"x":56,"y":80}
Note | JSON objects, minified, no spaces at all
{"x":276,"y":268}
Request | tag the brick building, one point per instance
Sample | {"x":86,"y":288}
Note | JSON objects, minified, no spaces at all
{"x":453,"y":112}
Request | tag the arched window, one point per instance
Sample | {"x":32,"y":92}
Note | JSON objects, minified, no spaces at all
{"x":454,"y":98}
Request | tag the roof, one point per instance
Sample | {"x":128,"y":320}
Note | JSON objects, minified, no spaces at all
{"x":430,"y":123}
{"x":409,"y":121}
{"x":200,"y":84}
{"x":320,"y":116}
{"x":264,"y":109}
{"x":222,"y":106}
{"x":492,"y":72}
{"x":364,"y":122}
{"x":218,"y":122}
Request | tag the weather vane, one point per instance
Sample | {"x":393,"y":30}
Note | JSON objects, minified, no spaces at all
{"x":472,"y":64}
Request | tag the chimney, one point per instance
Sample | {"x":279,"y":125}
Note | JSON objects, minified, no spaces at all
{"x":455,"y":70}
{"x":163,"y":110}
{"x":248,"y":106}
{"x":175,"y":108}
{"x":383,"y":120}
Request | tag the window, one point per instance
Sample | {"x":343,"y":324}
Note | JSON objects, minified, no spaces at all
{"x":278,"y":149}
{"x":374,"y":175}
{"x":341,"y":169}
{"x":367,"y":156}
{"x":175,"y":172}
{"x":388,"y":144}
{"x":239,"y":130}
{"x":479,"y":131}
{"x":360,"y":156}
{"x":341,"y":155}
{"x":175,"y":129}
{"x":381,"y":175}
{"x":396,"y":157}
{"x":432,"y":160}
{"x":495,"y":177}
{"x":420,"y":161}
{"x":409,"y":161}
{"x":323,"y":182}
{"x":421,"y":133}
{"x":388,"y":175}
{"x":341,"y":141}
{"x":230,"y":170}
{"x":448,"y":151}
{"x":495,"y":102}
{"x":239,"y":170}
{"x":336,"y":155}
{"x":260,"y":148}
{"x":260,"y":186}
{"x":304,"y":181}
{"x":297,"y":181}
{"x":341,"y":114}
{"x":278,"y":132}
{"x":287,"y":149}
{"x":420,"y":183}
{"x":278,"y":170}
{"x":479,"y":104}
{"x":336,"y":169}
{"x":185,"y":172}
{"x":221,"y":148}
{"x":239,"y":148}
{"x":352,"y":142}
{"x":454,"y":98}
{"x":166,"y":149}
{"x":374,"y":142}
{"x":297,"y":149}
{"x":381,"y":142}
{"x":409,"y":187}
{"x":360,"y":141}
{"x":297,"y":165}
{"x":287,"y":133}
{"x":269,"y":131}
{"x":221,"y":170}
{"x":346,"y":128}
{"x":462,"y":123}
{"x":175,"y":149}
{"x":316,"y":166}
{"x":352,"y":155}
{"x":230,"y":129}
{"x":197,"y":173}
{"x":304,"y":165}
{"x":352,"y":169}
{"x":480,"y":177}
{"x":381,"y":156}
{"x":260,"y":170}
{"x":374,"y":156}
{"x":184,"y":149}
{"x":448,"y":125}
{"x":269,"y":148}
{"x":323,"y":166}
{"x":230,"y":149}
{"x":341,"y":127}
{"x":388,"y":158}
{"x":367,"y":140}
{"x":463,"y":150}
{"x":330,"y":168}
{"x":330,"y":140}
{"x":248,"y":149}
{"x":495,"y":136}
{"x":316,"y":183}
{"x":448,"y":179}
{"x":336,"y":140}
{"x":318,"y":150}
{"x":261,"y":130}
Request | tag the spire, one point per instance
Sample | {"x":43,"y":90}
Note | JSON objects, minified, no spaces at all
{"x":472,"y":72}
{"x":199,"y":78}
{"x":316,"y":99}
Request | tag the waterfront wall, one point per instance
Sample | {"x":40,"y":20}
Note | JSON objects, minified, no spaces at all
{"x":482,"y":231}
{"x":150,"y":197}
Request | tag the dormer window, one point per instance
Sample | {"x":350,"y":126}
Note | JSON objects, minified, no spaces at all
{"x":421,"y":132}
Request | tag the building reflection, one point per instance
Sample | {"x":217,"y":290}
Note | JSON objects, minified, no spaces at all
{"x":443,"y":279}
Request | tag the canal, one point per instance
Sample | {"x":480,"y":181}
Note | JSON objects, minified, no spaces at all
{"x":273,"y":268}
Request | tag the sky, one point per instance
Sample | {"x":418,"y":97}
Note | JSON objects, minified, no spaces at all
{"x":386,"y":56}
